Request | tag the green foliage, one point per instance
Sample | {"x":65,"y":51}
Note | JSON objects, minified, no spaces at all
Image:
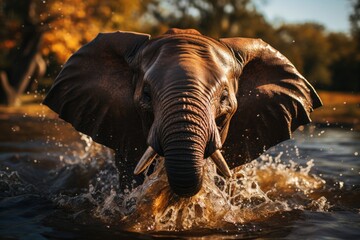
{"x":355,"y":19}
{"x":355,"y":56}
{"x":225,"y":18}
{"x":345,"y":61}
{"x":307,"y":47}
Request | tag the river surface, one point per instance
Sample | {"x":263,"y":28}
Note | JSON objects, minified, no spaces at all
{"x":57,"y":184}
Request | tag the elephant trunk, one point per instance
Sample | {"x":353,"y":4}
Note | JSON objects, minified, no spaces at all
{"x":183,"y":162}
{"x":184,"y":137}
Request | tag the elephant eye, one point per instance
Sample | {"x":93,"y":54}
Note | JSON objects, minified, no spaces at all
{"x":146,"y":97}
{"x":224,"y":99}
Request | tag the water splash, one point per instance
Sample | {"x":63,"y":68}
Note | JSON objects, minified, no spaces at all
{"x":86,"y":183}
{"x":256,"y":192}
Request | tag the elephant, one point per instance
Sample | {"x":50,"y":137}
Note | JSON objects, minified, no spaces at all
{"x":182,"y":96}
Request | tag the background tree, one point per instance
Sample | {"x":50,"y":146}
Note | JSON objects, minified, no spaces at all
{"x":355,"y":19}
{"x":306,"y":45}
{"x":355,"y":31}
{"x":53,"y":29}
{"x":344,"y":67}
{"x":225,"y":18}
{"x":20,"y":59}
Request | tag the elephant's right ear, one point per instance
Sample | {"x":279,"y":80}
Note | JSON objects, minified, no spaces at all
{"x":274,"y":99}
{"x":94,"y":91}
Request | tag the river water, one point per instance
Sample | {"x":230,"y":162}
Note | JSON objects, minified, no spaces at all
{"x":57,"y":184}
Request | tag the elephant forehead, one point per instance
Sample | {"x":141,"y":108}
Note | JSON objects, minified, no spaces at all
{"x":188,"y":56}
{"x":195,"y":48}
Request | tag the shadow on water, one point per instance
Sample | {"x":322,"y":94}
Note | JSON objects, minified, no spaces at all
{"x":57,"y":184}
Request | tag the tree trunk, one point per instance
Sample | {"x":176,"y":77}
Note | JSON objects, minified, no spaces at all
{"x":26,"y":62}
{"x":7,"y":92}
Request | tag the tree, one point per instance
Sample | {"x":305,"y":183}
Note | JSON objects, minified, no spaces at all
{"x":22,"y":49}
{"x":53,"y":29}
{"x":307,"y":47}
{"x":355,"y":19}
{"x":355,"y":30}
{"x":344,"y":63}
{"x":225,"y":18}
{"x":80,"y":21}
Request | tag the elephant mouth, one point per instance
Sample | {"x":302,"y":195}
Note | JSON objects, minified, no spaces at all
{"x":150,"y":155}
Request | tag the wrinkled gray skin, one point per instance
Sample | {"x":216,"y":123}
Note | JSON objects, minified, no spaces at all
{"x":177,"y":93}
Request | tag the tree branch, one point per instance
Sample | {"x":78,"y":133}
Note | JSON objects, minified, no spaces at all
{"x":10,"y":94}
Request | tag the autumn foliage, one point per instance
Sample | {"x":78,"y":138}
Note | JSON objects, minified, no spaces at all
{"x":78,"y":21}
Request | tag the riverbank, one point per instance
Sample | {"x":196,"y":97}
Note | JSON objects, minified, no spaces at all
{"x":339,"y":110}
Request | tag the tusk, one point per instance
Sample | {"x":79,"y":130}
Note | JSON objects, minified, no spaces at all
{"x":220,"y":163}
{"x":145,"y":160}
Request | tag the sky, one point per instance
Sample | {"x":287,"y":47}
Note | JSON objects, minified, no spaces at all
{"x":333,"y":14}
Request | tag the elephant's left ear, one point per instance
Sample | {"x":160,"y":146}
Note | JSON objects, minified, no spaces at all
{"x":94,"y":91}
{"x":274,"y":99}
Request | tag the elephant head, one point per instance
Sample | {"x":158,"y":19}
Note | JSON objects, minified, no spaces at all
{"x":183,"y":96}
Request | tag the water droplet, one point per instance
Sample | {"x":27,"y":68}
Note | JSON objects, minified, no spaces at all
{"x":320,"y":133}
{"x":15,"y":128}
